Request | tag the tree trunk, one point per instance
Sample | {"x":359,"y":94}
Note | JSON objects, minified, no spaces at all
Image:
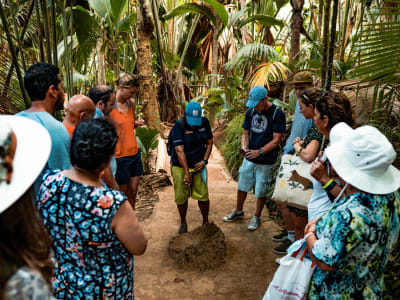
{"x":40,"y":30}
{"x":101,"y":69}
{"x":325,"y":41}
{"x":295,"y":28}
{"x":331,"y":45}
{"x":147,"y":92}
{"x":214,"y":68}
{"x":320,"y":14}
{"x":46,"y":30}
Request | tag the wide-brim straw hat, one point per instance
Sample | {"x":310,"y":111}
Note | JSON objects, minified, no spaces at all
{"x":363,"y":157}
{"x":31,"y":154}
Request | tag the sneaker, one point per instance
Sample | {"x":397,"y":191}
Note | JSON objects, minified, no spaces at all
{"x":282,"y":248}
{"x":254,"y":223}
{"x":278,"y":260}
{"x":182,"y":229}
{"x":233,"y":216}
{"x":281,"y":236}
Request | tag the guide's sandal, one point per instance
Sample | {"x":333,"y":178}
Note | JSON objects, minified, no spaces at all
{"x":182,"y":229}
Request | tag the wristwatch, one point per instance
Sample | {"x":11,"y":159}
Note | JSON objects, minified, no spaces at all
{"x":260,"y":151}
{"x":205,"y":162}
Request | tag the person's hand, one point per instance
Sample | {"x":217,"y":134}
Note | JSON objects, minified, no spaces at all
{"x":297,"y":140}
{"x":319,"y":172}
{"x":199,"y":166}
{"x":187,"y":180}
{"x":251,"y":154}
{"x":139,"y":122}
{"x":310,"y":227}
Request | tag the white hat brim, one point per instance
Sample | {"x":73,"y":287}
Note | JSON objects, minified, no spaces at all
{"x":380,"y":184}
{"x":31,"y":155}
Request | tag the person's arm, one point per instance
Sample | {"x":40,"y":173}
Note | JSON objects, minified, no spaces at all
{"x":126,"y":227}
{"x":180,"y":153}
{"x":109,"y":178}
{"x":139,"y":122}
{"x":308,"y":153}
{"x":311,"y":240}
{"x":320,"y":173}
{"x":201,"y":164}
{"x":274,"y":143}
{"x":245,"y":140}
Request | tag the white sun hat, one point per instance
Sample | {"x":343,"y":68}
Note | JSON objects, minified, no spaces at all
{"x":363,"y":157}
{"x":31,"y":154}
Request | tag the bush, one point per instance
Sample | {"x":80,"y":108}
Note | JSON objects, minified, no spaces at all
{"x":231,"y":145}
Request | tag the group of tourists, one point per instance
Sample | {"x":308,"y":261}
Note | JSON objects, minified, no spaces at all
{"x":68,"y":229}
{"x":351,"y":221}
{"x":80,"y":244}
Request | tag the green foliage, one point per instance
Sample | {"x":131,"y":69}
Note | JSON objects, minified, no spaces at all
{"x":266,"y":21}
{"x":147,"y":139}
{"x":190,"y":8}
{"x":250,"y":55}
{"x":231,"y":145}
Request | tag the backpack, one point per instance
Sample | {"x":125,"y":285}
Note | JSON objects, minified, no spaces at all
{"x":170,"y":144}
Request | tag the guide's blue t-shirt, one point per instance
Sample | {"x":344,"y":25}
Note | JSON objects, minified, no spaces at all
{"x":262,"y":126}
{"x":194,"y":141}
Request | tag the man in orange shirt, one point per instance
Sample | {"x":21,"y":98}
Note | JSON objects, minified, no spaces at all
{"x":127,"y":152}
{"x":79,"y":108}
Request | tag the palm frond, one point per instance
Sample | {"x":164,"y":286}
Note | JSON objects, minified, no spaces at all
{"x":252,"y":54}
{"x":379,"y":58}
{"x":267,"y":72}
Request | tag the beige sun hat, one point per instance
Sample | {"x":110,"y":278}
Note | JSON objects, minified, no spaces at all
{"x":363,"y":157}
{"x":302,"y":77}
{"x":32,"y":151}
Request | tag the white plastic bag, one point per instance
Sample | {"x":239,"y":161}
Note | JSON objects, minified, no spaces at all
{"x":292,"y":278}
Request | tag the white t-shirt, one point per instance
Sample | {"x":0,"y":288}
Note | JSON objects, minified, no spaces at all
{"x":319,"y":203}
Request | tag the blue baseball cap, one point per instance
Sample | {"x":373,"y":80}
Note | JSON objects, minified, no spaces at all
{"x":193,"y":113}
{"x":256,"y":94}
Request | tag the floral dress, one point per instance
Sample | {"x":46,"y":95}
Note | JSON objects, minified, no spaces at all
{"x":355,"y":237}
{"x":91,"y":263}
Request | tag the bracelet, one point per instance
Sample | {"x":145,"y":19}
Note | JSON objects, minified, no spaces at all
{"x":205,"y":161}
{"x":308,"y":234}
{"x":299,"y":150}
{"x":327,"y":184}
{"x":260,"y":151}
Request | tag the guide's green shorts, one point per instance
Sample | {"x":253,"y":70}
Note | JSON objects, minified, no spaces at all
{"x":198,"y":189}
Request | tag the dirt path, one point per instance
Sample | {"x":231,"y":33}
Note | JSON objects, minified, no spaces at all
{"x":250,"y":262}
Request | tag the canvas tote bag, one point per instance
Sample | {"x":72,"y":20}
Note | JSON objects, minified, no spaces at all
{"x":293,"y":184}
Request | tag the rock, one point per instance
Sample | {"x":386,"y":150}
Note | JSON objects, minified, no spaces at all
{"x":202,"y":249}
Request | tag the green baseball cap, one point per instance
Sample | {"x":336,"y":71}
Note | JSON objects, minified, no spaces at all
{"x":302,"y":77}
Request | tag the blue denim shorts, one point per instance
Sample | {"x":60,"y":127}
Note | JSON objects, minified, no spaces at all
{"x":127,"y":167}
{"x":255,"y":175}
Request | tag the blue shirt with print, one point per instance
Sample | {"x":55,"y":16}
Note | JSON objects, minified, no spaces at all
{"x":262,"y":126}
{"x":194,"y":140}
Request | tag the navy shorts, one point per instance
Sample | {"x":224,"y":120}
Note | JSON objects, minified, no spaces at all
{"x":127,"y":167}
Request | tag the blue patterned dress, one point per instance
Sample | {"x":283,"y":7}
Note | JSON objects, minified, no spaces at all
{"x":355,"y":237}
{"x":91,"y":263}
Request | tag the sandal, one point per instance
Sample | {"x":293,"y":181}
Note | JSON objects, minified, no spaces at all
{"x":182,"y":229}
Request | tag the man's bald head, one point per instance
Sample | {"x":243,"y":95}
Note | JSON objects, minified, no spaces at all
{"x":79,"y":108}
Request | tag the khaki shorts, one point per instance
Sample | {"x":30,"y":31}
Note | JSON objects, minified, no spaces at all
{"x":198,"y":189}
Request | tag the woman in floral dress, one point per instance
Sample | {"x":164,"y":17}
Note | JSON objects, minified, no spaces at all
{"x":351,"y":243}
{"x":94,"y":230}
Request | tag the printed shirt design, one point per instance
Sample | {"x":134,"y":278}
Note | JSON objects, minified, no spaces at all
{"x":259,"y":123}
{"x":355,"y":237}
{"x":91,"y":263}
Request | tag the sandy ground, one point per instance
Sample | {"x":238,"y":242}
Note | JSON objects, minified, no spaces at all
{"x":250,"y":262}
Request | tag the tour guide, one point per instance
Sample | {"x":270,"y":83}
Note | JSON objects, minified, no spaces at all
{"x":192,"y":140}
{"x":264,"y":126}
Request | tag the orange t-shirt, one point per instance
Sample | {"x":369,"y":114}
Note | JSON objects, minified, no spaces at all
{"x":125,"y":126}
{"x":70,"y":129}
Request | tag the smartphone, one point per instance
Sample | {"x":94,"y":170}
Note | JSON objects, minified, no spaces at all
{"x":323,"y":158}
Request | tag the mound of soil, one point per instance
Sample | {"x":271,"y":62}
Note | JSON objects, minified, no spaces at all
{"x":202,"y":249}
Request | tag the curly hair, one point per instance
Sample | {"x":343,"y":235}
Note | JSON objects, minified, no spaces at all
{"x":92,"y":144}
{"x":24,"y":241}
{"x":336,"y":106}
